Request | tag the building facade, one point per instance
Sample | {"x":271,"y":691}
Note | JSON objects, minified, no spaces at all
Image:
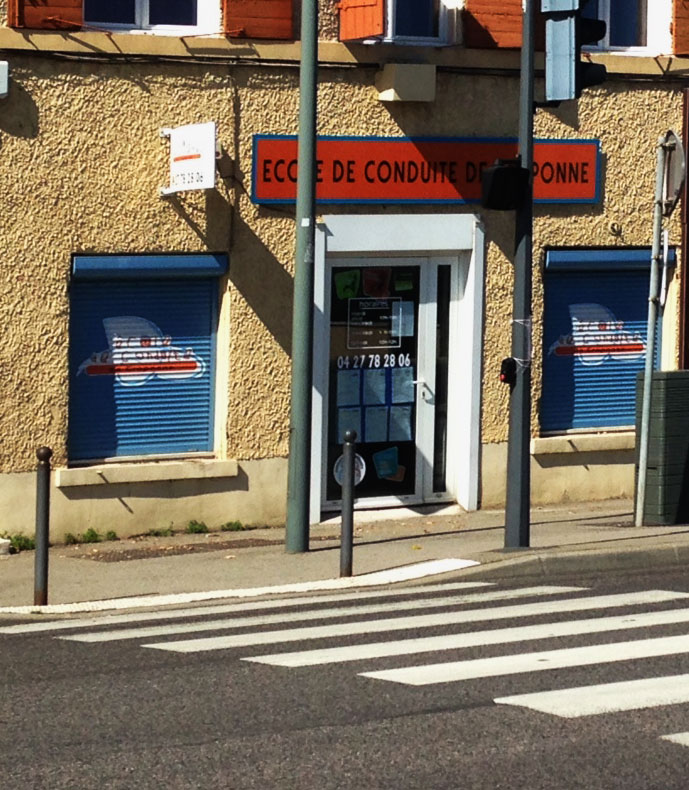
{"x":148,"y":334}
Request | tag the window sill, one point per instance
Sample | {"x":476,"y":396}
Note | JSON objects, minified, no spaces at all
{"x":194,"y":46}
{"x":116,"y":474}
{"x":583,"y":443}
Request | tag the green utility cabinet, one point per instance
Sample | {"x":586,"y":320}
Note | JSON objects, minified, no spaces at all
{"x":667,"y":481}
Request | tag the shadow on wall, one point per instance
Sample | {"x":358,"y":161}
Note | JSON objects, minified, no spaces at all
{"x":263,"y":281}
{"x":213,"y":224}
{"x":19,"y":116}
{"x":587,"y":460}
{"x":567,"y":113}
{"x":167,"y":489}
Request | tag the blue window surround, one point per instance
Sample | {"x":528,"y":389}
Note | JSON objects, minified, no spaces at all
{"x":109,"y":267}
{"x":592,"y":259}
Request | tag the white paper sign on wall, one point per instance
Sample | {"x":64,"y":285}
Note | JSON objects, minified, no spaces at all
{"x":192,"y":157}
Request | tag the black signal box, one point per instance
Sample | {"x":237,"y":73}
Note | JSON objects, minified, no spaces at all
{"x":504,"y":185}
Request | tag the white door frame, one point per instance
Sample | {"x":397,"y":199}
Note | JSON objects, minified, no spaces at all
{"x":459,"y":235}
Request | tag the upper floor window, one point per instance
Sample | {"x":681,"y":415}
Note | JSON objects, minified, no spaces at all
{"x":414,"y":19}
{"x":643,"y":27}
{"x":633,"y":24}
{"x":401,"y":21}
{"x":155,"y":15}
{"x":270,"y":19}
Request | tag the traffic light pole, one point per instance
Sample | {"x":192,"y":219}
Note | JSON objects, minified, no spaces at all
{"x":517,"y":507}
{"x":299,"y":462}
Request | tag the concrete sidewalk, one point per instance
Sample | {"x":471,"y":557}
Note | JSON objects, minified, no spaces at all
{"x":407,"y":545}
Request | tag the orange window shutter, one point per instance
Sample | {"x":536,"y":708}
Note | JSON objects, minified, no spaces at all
{"x":45,"y":14}
{"x":497,"y":24}
{"x":361,"y":19}
{"x":680,"y":27}
{"x":258,"y":19}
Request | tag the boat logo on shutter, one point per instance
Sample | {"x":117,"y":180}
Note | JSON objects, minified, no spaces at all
{"x":597,"y":336}
{"x":138,"y":351}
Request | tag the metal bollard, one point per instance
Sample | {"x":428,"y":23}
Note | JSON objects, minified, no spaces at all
{"x":347,"y":539}
{"x":40,"y":593}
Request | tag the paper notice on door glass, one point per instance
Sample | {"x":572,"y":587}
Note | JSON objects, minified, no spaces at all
{"x":347,"y":283}
{"x":376,"y":424}
{"x":348,"y":420}
{"x":403,"y":281}
{"x":403,"y":319}
{"x":386,"y":462}
{"x":400,"y":424}
{"x":374,"y":387}
{"x":376,"y":282}
{"x":402,"y":380}
{"x":369,"y":323}
{"x":348,"y":388}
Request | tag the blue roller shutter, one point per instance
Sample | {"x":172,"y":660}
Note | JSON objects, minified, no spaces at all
{"x":595,"y":327}
{"x":142,"y":355}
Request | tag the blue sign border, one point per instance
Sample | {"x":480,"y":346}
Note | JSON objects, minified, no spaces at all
{"x":410,"y":201}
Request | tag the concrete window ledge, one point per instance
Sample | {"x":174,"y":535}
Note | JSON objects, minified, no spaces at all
{"x":584,"y":443}
{"x":114,"y":474}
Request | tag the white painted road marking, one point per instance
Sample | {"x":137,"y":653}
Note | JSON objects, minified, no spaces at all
{"x":608,"y":698}
{"x":534,"y":662}
{"x":419,"y":621}
{"x":202,"y":611}
{"x":682,"y":738}
{"x":314,"y":614}
{"x":405,"y":573}
{"x":332,"y":655}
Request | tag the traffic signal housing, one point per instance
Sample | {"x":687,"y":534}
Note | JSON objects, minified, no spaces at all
{"x":567,"y":29}
{"x":504,"y":185}
{"x":508,"y":371}
{"x":588,"y":31}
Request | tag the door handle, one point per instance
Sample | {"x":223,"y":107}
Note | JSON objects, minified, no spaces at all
{"x":426,"y":393}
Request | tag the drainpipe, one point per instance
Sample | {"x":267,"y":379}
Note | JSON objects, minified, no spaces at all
{"x":684,"y":278}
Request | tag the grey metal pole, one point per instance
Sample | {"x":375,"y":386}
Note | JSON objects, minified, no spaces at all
{"x":518,"y":493}
{"x":661,"y":154}
{"x":347,"y":536}
{"x":299,"y":463}
{"x":40,"y":594}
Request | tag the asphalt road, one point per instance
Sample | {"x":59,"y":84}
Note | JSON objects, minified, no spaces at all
{"x":116,"y":714}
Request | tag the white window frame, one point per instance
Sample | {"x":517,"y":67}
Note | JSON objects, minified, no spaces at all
{"x":658,"y":29}
{"x":207,"y":21}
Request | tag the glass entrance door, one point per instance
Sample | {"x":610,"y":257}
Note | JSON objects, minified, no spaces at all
{"x":387,"y":377}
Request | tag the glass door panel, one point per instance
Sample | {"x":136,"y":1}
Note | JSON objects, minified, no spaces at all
{"x":442,"y":359}
{"x":373,"y":372}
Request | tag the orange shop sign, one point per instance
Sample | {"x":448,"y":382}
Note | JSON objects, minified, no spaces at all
{"x":420,"y":170}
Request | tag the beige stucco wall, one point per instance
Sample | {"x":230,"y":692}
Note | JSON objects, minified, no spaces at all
{"x":82,"y":162}
{"x":134,"y":508}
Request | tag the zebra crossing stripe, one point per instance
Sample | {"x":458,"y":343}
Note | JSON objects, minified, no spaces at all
{"x":203,"y":611}
{"x":315,"y":614}
{"x":682,"y":738}
{"x":332,"y":655}
{"x":520,"y":663}
{"x":418,"y":621}
{"x":608,"y":698}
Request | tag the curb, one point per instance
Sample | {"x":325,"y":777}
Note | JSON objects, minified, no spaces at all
{"x":577,"y":562}
{"x":392,"y":576}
